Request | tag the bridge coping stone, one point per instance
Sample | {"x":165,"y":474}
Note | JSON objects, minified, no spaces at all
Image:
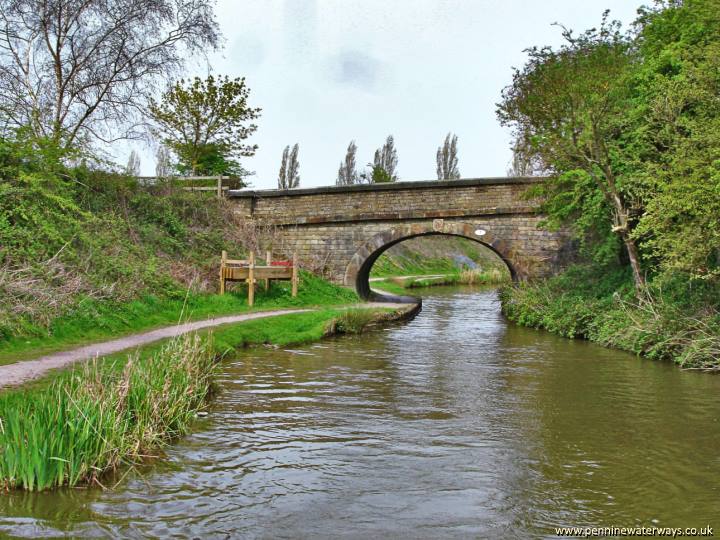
{"x":440,"y":184}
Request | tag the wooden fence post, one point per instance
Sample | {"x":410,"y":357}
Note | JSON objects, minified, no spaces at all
{"x":251,"y":280}
{"x":268,"y":261}
{"x":223,"y":258}
{"x":295,"y":274}
{"x":219,"y":187}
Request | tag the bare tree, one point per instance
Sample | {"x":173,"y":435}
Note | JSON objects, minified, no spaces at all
{"x":133,"y":165}
{"x":289,"y":176}
{"x":163,"y":163}
{"x":347,"y":174}
{"x":524,"y":162}
{"x":447,"y":159}
{"x":78,"y":71}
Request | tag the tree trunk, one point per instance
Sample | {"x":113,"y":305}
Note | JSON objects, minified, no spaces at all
{"x":634,"y":257}
{"x":622,"y":225}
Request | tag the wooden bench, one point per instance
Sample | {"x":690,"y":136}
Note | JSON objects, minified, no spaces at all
{"x":249,"y":272}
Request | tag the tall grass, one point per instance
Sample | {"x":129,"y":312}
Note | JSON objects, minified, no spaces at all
{"x":83,"y":426}
{"x":476,"y":276}
{"x":109,"y":413}
{"x":353,"y":321}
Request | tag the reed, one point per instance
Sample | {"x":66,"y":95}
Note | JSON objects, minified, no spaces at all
{"x":477,"y":276}
{"x":85,"y":425}
{"x":353,"y":321}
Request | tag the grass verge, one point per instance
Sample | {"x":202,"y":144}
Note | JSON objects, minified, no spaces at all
{"x":95,"y":321}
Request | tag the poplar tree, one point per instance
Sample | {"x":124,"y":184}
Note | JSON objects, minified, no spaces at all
{"x":384,"y":165}
{"x":347,"y":173}
{"x":447,"y":160}
{"x":289,"y":176}
{"x":133,"y":165}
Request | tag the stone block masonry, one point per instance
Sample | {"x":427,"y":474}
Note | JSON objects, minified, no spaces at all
{"x":348,"y":227}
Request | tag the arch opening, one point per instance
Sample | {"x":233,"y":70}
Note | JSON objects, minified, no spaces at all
{"x":358,"y":272}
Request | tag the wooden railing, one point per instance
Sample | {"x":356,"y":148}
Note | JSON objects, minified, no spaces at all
{"x":219,"y":181}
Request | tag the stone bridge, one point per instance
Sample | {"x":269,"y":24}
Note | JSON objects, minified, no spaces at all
{"x":344,"y":229}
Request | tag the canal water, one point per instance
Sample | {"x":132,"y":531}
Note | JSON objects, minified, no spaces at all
{"x":456,"y":424}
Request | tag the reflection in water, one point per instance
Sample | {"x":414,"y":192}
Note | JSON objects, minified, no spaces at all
{"x":453,"y":425}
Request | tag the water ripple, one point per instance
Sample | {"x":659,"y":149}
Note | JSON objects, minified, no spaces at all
{"x":454,"y":425}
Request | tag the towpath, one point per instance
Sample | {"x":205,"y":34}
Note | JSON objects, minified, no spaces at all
{"x":27,"y":370}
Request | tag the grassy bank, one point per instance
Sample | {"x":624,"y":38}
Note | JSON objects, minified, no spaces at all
{"x":121,"y":410}
{"x":404,"y":285}
{"x":96,"y":320}
{"x":86,"y":254}
{"x":435,"y":255}
{"x":677,"y":318}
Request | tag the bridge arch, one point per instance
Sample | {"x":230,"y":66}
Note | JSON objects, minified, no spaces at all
{"x":357,"y":273}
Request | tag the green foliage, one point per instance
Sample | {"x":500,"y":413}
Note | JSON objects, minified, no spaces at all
{"x":204,"y":122}
{"x":380,"y":176}
{"x":22,"y":152}
{"x":76,"y":238}
{"x":630,"y":125}
{"x":37,"y":217}
{"x":679,"y":82}
{"x":352,"y":321}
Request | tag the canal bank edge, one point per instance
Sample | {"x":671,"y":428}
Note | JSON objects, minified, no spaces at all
{"x":23,"y":372}
{"x":104,"y":387}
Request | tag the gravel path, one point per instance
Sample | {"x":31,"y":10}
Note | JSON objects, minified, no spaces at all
{"x":27,"y":370}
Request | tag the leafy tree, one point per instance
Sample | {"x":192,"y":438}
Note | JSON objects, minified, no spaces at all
{"x":447,"y":159}
{"x":75,"y":72}
{"x":569,"y":108}
{"x":679,"y":85}
{"x":205,"y":122}
{"x":213,"y":160}
{"x":289,"y":176}
{"x":378,"y":175}
{"x":347,"y":173}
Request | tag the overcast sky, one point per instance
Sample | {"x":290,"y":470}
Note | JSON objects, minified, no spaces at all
{"x":329,"y":71}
